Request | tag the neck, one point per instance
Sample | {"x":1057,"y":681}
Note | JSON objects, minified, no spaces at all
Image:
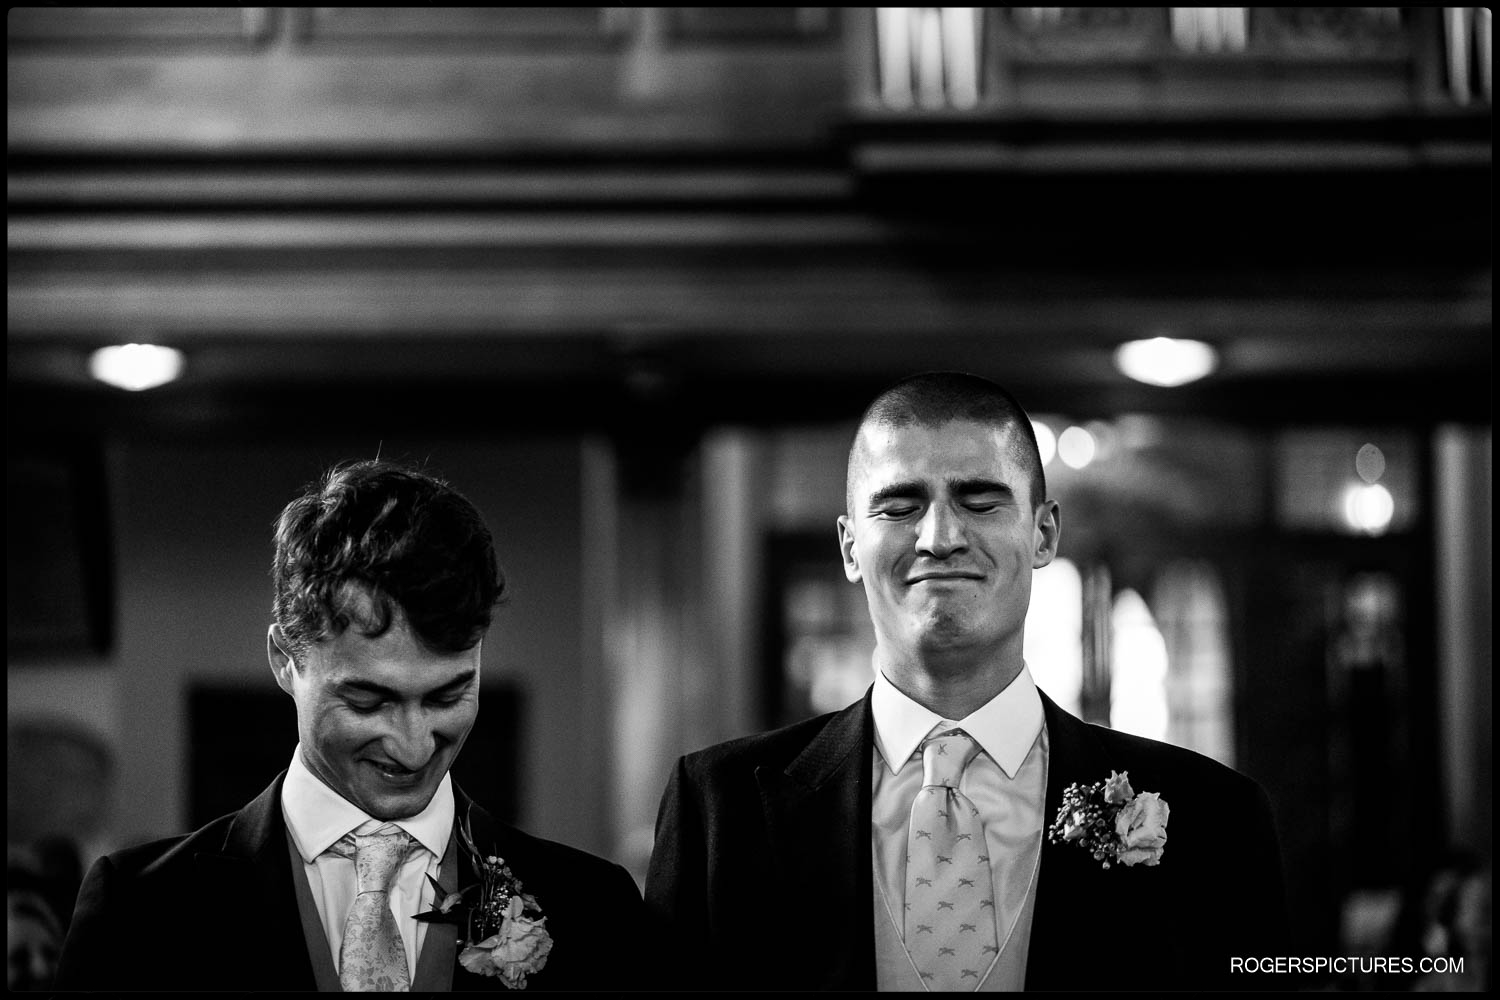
{"x":950,"y":684}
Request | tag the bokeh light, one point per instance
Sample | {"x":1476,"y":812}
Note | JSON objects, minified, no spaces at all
{"x":1166,"y":362}
{"x":1370,"y":463}
{"x":1076,"y":447}
{"x":136,"y":366}
{"x":1046,"y":442}
{"x":1368,"y":508}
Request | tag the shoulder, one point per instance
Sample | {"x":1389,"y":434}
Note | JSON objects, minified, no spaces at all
{"x":1152,"y":765}
{"x":553,"y":855}
{"x":543,"y":864}
{"x":166,"y":863}
{"x":1156,"y":755}
{"x":1197,"y":788}
{"x":592,"y":908}
{"x":126,"y":897}
{"x":776,"y":748}
{"x":162,"y":859}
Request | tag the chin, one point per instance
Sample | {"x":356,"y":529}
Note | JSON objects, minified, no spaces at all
{"x":389,"y":807}
{"x":943,"y":629}
{"x":384,"y":804}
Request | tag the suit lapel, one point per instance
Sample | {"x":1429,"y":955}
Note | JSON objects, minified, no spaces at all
{"x":490,"y":835}
{"x":502,"y":840}
{"x":251,"y":876}
{"x":818,"y":823}
{"x":486,"y":837}
{"x":439,"y":955}
{"x":1075,"y":911}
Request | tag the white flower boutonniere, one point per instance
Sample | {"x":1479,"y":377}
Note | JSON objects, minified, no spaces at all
{"x":505,"y":933}
{"x":1113,"y":823}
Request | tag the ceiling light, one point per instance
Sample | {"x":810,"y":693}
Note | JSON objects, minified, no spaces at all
{"x":1165,"y":361}
{"x":136,"y":366}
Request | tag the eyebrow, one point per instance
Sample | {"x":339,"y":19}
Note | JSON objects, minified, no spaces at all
{"x":898,"y":491}
{"x":959,"y":487}
{"x":369,"y":687}
{"x":971,"y":487}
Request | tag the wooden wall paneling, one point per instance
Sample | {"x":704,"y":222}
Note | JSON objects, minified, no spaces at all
{"x":1329,"y":32}
{"x":1078,"y":58}
{"x":734,"y":24}
{"x":94,"y":27}
{"x":1083,"y":34}
{"x":72,"y":186}
{"x":489,"y":26}
{"x":348,"y":100}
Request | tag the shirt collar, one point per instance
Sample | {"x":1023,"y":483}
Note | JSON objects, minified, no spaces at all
{"x":317,"y":816}
{"x":1005,"y":727}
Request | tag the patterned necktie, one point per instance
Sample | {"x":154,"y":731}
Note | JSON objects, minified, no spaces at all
{"x":372,"y":958}
{"x":950,"y":905}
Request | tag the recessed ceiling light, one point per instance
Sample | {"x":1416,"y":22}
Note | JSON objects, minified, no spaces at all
{"x":136,"y":366}
{"x":1165,"y":361}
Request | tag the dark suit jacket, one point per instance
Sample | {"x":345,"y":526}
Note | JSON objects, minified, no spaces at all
{"x":762,"y":867}
{"x":216,"y":910}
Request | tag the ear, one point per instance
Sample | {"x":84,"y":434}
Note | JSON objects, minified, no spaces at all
{"x":278,"y":652}
{"x":1046,"y":534}
{"x":846,"y":549}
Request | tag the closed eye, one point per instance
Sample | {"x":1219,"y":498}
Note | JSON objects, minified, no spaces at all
{"x":896,"y":512}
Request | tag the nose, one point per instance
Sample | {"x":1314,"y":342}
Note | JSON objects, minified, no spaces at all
{"x":413,"y":739}
{"x":940,"y":532}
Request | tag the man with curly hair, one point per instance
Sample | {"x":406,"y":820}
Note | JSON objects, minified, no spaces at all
{"x":385,"y":583}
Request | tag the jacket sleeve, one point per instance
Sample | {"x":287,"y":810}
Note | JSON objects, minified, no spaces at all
{"x":88,"y":960}
{"x":1266,"y":927}
{"x":1252,"y":912}
{"x":677,"y":881}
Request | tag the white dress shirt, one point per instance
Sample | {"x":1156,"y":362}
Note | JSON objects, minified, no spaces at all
{"x":317,"y":817}
{"x":1006,"y":781}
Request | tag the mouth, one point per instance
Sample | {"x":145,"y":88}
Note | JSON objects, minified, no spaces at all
{"x":396,"y":775}
{"x":941,"y":577}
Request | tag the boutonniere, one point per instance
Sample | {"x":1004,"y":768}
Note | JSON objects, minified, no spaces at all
{"x":505,"y":933}
{"x":1110,"y":821}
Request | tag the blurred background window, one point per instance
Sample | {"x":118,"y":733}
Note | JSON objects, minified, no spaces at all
{"x":1054,"y":633}
{"x":1138,"y":669}
{"x":1349,"y":481}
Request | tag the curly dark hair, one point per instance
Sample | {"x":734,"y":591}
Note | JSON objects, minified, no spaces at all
{"x":410,"y":542}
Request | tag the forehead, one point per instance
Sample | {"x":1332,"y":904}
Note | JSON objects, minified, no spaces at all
{"x":959,"y":449}
{"x":394,"y":659}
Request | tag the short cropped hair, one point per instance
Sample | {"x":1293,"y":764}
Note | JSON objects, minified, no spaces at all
{"x":410,"y":542}
{"x":936,"y":398}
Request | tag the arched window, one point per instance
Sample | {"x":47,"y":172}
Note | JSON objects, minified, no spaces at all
{"x":1138,"y":664}
{"x":1192,"y":614}
{"x":1054,"y":633}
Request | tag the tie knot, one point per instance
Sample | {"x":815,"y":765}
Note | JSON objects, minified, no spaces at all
{"x":377,"y":856}
{"x":945,"y":757}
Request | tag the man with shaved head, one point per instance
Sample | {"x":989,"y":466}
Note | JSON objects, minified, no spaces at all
{"x":903,"y":843}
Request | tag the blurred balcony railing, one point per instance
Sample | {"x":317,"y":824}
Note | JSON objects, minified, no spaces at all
{"x":944,"y":90}
{"x":927,"y":59}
